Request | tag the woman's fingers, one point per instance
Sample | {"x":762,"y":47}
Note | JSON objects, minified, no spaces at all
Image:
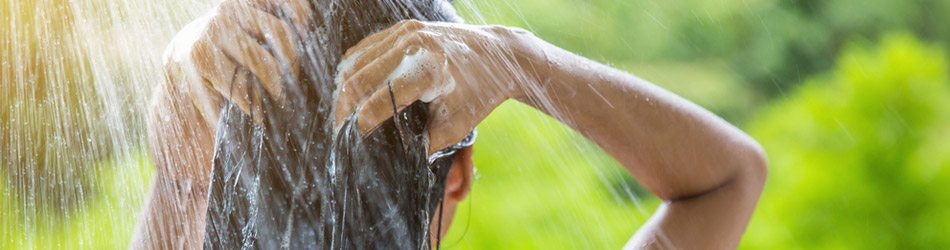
{"x":387,"y":35}
{"x":268,"y":28}
{"x":392,"y":98}
{"x":212,"y":65}
{"x":367,"y":72}
{"x":467,"y":71}
{"x":248,"y":53}
{"x":240,"y":51}
{"x":373,"y":53}
{"x":246,"y":95}
{"x":369,"y":78}
{"x":224,"y":76}
{"x":299,"y":12}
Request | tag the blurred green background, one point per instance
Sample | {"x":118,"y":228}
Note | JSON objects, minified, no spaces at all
{"x":850,"y":98}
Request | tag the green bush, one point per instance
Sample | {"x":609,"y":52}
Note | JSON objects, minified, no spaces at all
{"x":859,"y":158}
{"x":771,"y":44}
{"x":103,"y":219}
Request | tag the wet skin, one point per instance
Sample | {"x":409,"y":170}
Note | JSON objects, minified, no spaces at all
{"x":709,"y":173}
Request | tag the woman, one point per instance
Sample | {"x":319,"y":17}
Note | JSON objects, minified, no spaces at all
{"x":709,"y":173}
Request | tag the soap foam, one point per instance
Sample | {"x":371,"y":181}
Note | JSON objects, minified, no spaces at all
{"x":414,"y":66}
{"x":345,"y":65}
{"x":411,"y":68}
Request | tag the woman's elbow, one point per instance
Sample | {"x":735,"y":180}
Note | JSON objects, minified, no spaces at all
{"x":753,"y":164}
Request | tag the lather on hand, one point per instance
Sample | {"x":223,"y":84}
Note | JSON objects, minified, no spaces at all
{"x":462,"y":71}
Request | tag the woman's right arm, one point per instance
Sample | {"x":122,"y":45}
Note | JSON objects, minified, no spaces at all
{"x":201,"y":63}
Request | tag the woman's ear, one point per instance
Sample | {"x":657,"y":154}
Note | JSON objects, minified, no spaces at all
{"x":459,"y":181}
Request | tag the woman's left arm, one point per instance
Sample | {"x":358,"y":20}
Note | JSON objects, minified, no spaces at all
{"x":708,"y":172}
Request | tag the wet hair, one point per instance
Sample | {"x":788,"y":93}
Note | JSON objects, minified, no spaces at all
{"x":290,"y":183}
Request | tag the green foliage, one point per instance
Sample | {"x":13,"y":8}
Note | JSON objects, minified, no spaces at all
{"x":104,"y":219}
{"x":859,"y":157}
{"x":771,"y":44}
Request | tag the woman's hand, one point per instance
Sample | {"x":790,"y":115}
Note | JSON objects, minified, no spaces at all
{"x":215,"y":55}
{"x":462,"y":71}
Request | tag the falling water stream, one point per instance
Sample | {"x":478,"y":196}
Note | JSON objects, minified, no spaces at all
{"x":77,"y":79}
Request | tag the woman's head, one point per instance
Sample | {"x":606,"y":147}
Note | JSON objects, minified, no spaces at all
{"x":293,"y":183}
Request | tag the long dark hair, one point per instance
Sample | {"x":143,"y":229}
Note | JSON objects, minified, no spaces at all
{"x":287,"y":183}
